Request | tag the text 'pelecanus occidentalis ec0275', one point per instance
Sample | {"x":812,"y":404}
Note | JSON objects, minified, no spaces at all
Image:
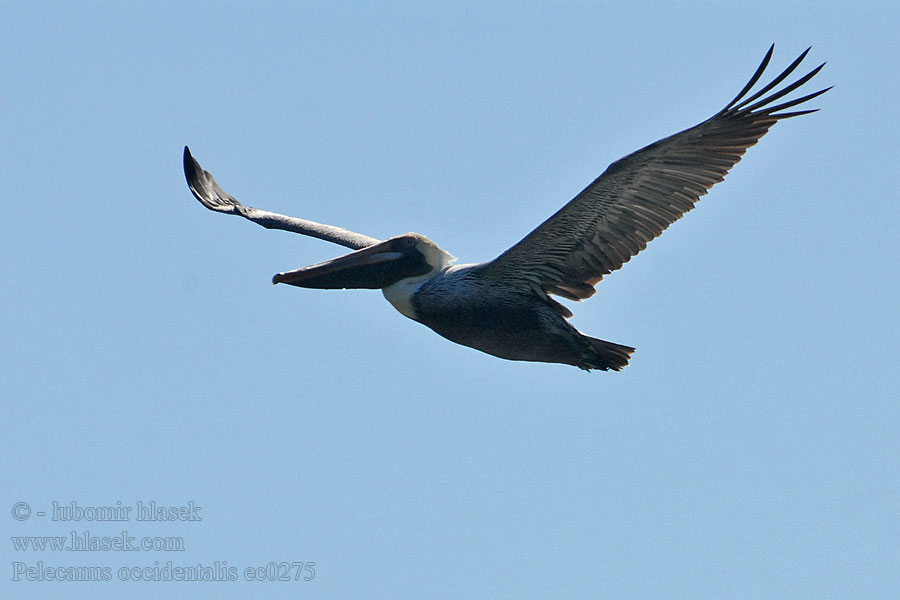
{"x":503,"y":307}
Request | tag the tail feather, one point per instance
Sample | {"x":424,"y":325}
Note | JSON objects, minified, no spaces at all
{"x":608,"y":355}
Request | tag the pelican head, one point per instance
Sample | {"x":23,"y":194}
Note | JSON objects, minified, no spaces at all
{"x":409,"y":258}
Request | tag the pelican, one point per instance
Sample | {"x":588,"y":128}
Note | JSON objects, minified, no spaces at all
{"x":504,"y":307}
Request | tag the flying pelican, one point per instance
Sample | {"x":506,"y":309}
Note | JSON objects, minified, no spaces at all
{"x":503,"y":307}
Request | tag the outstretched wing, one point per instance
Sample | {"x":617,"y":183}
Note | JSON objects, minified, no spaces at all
{"x":640,"y":195}
{"x":206,"y":189}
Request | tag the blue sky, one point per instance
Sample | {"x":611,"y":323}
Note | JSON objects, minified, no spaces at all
{"x":749,"y":451}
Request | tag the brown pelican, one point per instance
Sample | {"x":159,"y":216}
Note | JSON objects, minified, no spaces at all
{"x":503,"y":307}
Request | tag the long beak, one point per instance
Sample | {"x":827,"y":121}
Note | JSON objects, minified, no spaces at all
{"x":373,"y":267}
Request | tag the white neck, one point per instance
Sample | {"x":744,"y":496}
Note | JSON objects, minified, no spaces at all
{"x":400,"y":294}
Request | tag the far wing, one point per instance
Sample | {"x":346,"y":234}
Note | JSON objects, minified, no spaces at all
{"x":207,"y":190}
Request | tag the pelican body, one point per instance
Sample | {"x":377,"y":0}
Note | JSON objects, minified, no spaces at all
{"x":504,"y":307}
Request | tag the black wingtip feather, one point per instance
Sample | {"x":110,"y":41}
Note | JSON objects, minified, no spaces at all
{"x":759,"y":71}
{"x":206,"y":189}
{"x":773,"y":111}
{"x":784,"y":74}
{"x":759,"y":103}
{"x":191,"y":171}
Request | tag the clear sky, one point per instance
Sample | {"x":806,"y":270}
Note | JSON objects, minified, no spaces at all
{"x":749,"y":451}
